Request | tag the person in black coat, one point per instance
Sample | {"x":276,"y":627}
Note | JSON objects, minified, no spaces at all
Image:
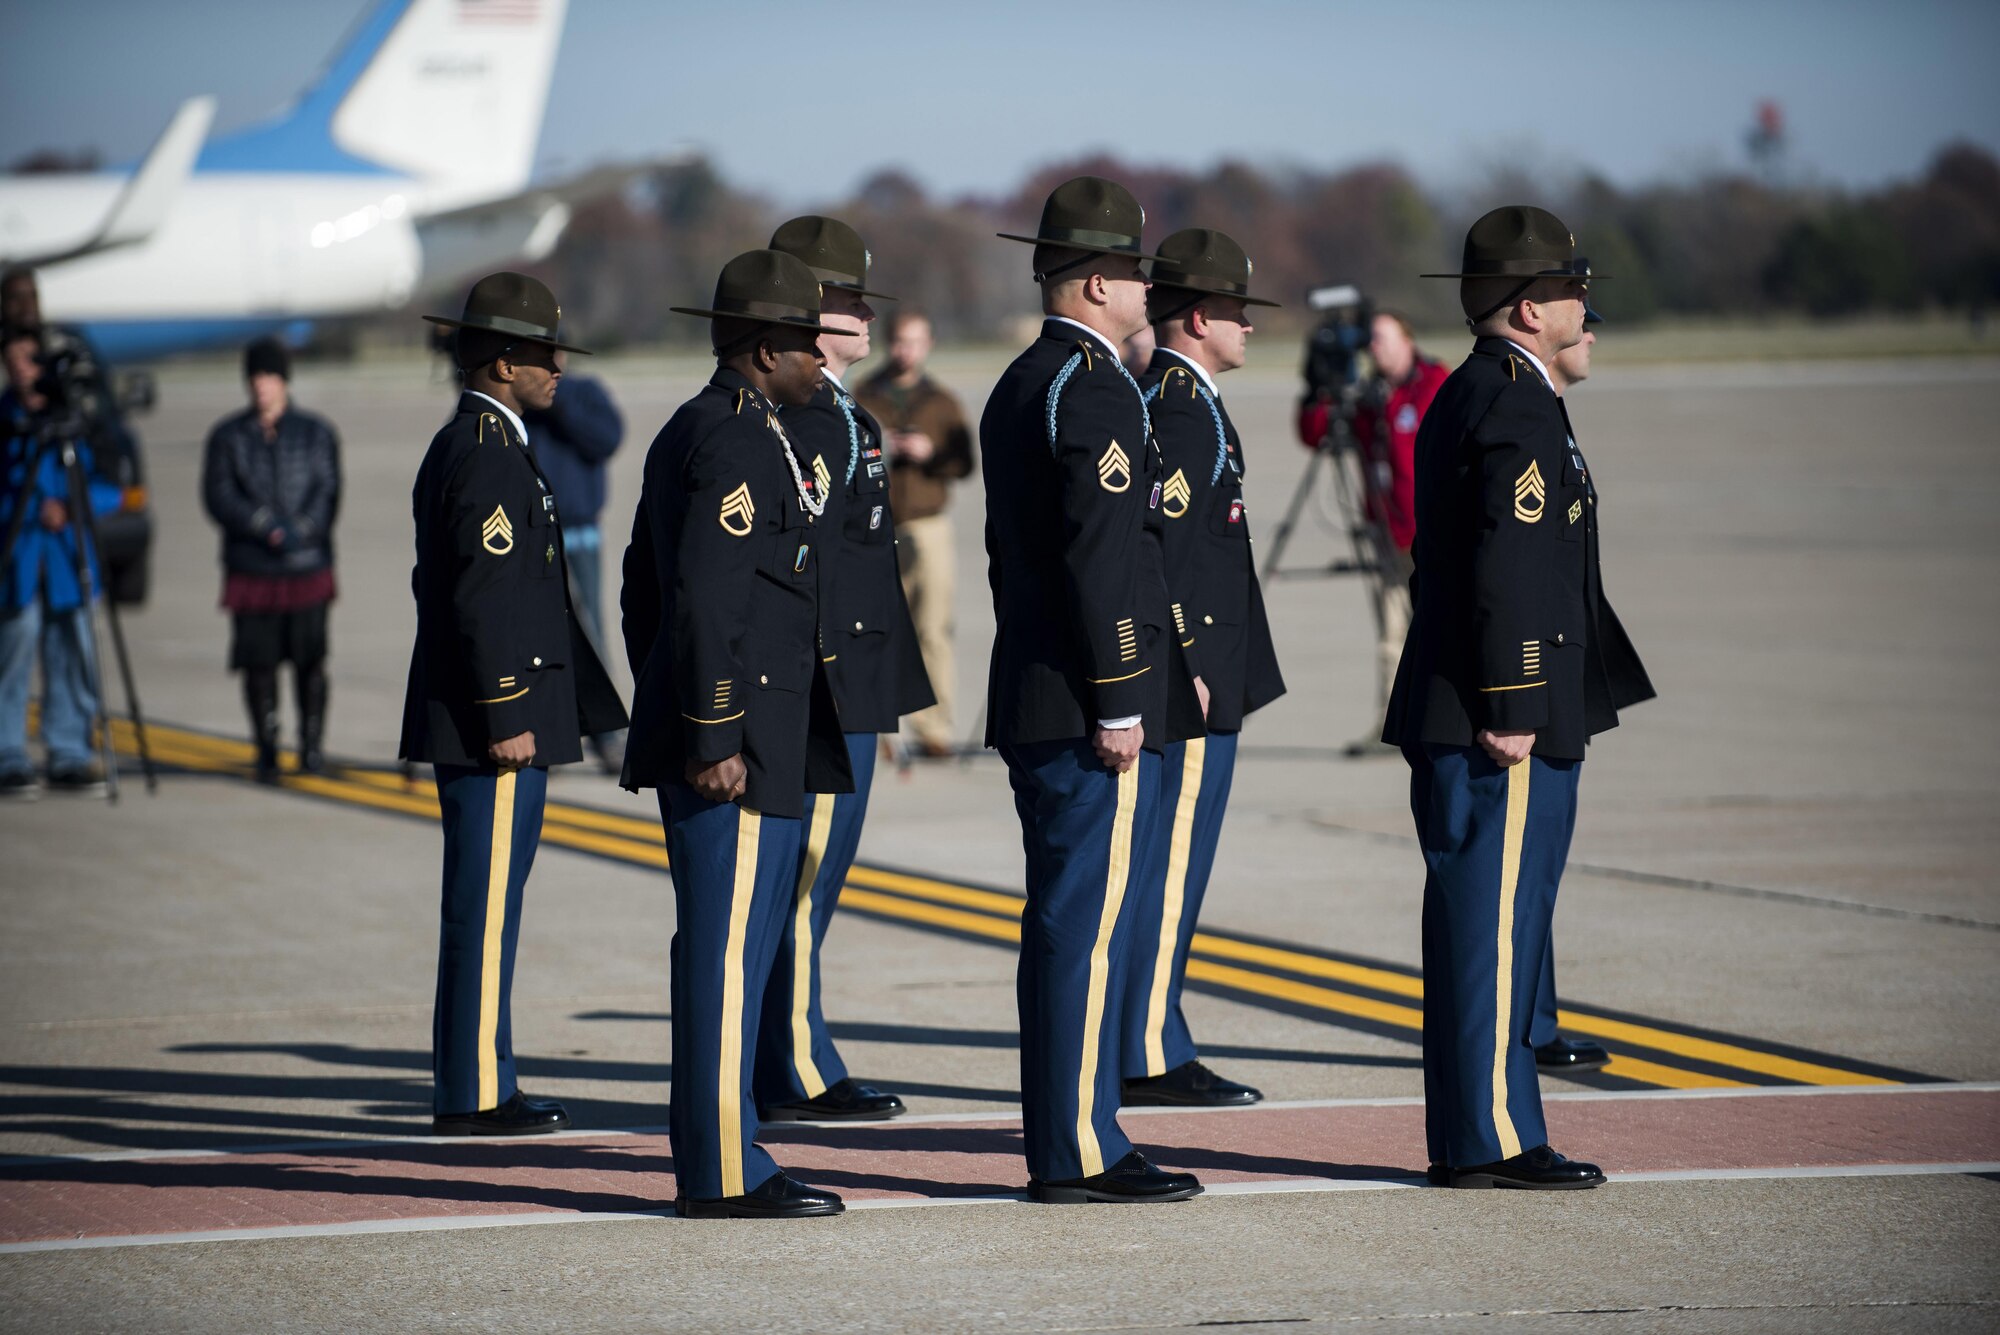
{"x":503,"y":684}
{"x":1199,"y":306}
{"x":874,"y":665}
{"x":270,"y":479}
{"x":1086,"y":682}
{"x":1514,"y":660}
{"x":733,"y":717}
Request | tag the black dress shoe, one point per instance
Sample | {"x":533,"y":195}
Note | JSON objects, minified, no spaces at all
{"x":1438,"y":1175}
{"x":1130,"y":1180}
{"x":778,"y":1198}
{"x":842,"y":1102}
{"x":1538,"y":1169}
{"x":1570,"y":1054}
{"x":518,"y":1116}
{"x":1189,"y":1085}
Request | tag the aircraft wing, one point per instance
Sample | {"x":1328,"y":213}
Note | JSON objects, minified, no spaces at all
{"x":523,"y":227}
{"x":137,"y":210}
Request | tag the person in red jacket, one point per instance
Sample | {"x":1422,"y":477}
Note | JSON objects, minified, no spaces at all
{"x":1388,"y":459}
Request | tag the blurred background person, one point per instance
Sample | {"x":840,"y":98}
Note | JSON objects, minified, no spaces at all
{"x":930,"y":447}
{"x":1388,"y":446}
{"x":42,"y":603}
{"x":270,"y":479}
{"x":573,"y":440}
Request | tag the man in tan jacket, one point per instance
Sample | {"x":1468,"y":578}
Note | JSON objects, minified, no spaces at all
{"x":930,"y":447}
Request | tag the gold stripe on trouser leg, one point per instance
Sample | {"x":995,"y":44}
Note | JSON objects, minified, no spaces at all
{"x":499,"y":864}
{"x":802,"y":943}
{"x":729,"y":1076}
{"x":1178,"y":851}
{"x":1503,"y":987}
{"x":1088,"y":1151}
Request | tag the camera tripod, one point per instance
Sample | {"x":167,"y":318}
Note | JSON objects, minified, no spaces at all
{"x":59,"y":438}
{"x":1372,"y":554}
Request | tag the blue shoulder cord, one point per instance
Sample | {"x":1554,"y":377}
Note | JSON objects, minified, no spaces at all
{"x":853,"y":433}
{"x":1221,"y":436}
{"x":1069,"y":369}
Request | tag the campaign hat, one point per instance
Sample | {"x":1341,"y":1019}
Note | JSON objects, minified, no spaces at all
{"x":1201,"y":259}
{"x":1089,"y":214}
{"x":515,"y":305}
{"x":769,"y":287}
{"x":832,"y":250}
{"x":1520,"y":241}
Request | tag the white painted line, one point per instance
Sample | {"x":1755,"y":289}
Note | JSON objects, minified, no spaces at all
{"x":1001,"y":1116}
{"x":1274,"y":1187}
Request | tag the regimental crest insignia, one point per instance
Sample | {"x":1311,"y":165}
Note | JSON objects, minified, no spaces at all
{"x":738,"y":514}
{"x":496,"y":535}
{"x":1177,"y":495}
{"x":1114,"y":469}
{"x":824,"y":475}
{"x":1530,"y":494}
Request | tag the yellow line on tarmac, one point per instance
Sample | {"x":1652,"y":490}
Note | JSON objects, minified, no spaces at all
{"x":996,"y":916}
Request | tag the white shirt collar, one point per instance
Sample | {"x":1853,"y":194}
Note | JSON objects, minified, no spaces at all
{"x":828,"y":373}
{"x":507,"y":412}
{"x":1535,"y":362}
{"x":1197,"y":368}
{"x":1106,"y":343}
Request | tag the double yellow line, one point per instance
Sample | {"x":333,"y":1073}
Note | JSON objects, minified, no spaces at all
{"x":1315,"y":983}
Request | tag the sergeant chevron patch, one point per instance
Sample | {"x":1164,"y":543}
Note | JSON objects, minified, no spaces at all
{"x":1114,"y":469}
{"x":1530,"y":494}
{"x":1177,"y":493}
{"x":737,"y":512}
{"x":824,"y":474}
{"x":496,"y":534}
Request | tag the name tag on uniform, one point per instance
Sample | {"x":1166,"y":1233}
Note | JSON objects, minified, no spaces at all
{"x":1236,"y":512}
{"x":876,"y":468}
{"x":548,"y":505}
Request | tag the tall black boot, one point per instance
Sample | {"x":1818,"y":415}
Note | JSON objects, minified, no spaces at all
{"x":311,"y":684}
{"x":260,"y":696}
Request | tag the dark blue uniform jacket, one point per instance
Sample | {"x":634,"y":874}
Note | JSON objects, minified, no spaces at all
{"x":721,"y":609}
{"x":1073,"y":552}
{"x":499,"y":652}
{"x":1511,"y":628}
{"x":867,"y":638}
{"x":1217,"y":603}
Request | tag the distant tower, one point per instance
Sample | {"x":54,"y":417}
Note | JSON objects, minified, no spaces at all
{"x":1766,"y":142}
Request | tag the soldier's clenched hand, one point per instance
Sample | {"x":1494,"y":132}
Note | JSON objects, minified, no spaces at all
{"x":512,"y":752}
{"x":1507,"y":747}
{"x":723,"y":781}
{"x":1119,"y":748}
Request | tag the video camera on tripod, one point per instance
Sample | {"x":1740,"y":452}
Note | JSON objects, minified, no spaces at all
{"x":1342,"y":389}
{"x":60,"y":427}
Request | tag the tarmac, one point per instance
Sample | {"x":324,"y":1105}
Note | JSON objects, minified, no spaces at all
{"x":1780,"y":914}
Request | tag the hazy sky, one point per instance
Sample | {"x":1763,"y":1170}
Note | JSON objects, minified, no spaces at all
{"x":803,"y":100}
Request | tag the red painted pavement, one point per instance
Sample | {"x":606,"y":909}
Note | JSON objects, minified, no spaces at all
{"x":346,"y":1184}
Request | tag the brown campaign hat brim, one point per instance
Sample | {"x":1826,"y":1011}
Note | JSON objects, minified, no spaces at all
{"x":1523,"y":273}
{"x":1189,"y":285}
{"x":785,"y":321}
{"x":855,"y":288}
{"x":512,"y":329}
{"x":1088,"y":247}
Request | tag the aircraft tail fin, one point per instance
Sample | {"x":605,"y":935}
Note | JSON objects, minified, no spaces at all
{"x":450,"y":92}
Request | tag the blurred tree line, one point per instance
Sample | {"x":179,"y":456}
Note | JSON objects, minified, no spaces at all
{"x":1724,"y":244}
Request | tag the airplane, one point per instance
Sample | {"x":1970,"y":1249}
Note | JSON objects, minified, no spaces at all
{"x":404,"y":168}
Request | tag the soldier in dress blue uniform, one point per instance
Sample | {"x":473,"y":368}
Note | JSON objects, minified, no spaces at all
{"x":869,"y":645}
{"x":503,"y":684}
{"x":733,"y":719}
{"x":1199,"y":308}
{"x":1084,"y":678}
{"x":1514,"y":660}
